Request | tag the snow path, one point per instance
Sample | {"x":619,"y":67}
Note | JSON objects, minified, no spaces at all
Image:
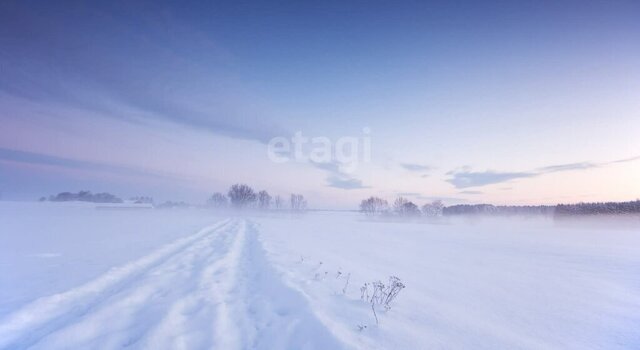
{"x":213,"y":289}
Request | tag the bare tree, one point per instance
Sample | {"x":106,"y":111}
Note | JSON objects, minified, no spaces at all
{"x":433,"y":209}
{"x":439,"y":207}
{"x":374,"y":205}
{"x":410,"y":209}
{"x":218,"y":200}
{"x":264,"y":200}
{"x":278,"y":202}
{"x":298,"y":203}
{"x":241,"y":196}
{"x":404,"y":207}
{"x":398,"y":205}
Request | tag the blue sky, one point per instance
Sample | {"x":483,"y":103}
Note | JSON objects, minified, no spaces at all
{"x":498,"y":102}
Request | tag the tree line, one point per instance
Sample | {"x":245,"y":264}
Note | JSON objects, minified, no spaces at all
{"x":598,"y":208}
{"x":241,"y":196}
{"x":375,"y":206}
{"x":83,"y":196}
{"x":488,"y":209}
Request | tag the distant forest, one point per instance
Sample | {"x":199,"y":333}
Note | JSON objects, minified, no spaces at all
{"x":601,"y":208}
{"x":604,"y":208}
{"x":466,"y":209}
{"x":83,"y":196}
{"x":403,"y":207}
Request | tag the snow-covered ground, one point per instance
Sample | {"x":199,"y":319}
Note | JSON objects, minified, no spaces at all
{"x":72,"y":276}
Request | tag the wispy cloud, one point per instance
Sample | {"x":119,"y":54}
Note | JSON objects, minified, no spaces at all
{"x":470,"y":192}
{"x":152,"y":77}
{"x":331,"y":167}
{"x":566,"y":167}
{"x":625,"y":160}
{"x":465,"y":177}
{"x":338,"y":179}
{"x":31,"y":158}
{"x":409,"y":194}
{"x":345,"y":183}
{"x":416,"y":167}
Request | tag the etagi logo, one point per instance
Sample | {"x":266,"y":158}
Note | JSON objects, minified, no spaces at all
{"x":347,"y":152}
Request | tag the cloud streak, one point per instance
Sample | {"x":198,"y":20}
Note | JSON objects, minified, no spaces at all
{"x":566,"y":167}
{"x":337,"y":179}
{"x":466,"y":178}
{"x":345,"y":183}
{"x":178,"y":78}
{"x":31,"y":158}
{"x":415,"y":167}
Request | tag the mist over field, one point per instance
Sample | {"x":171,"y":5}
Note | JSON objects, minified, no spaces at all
{"x":77,"y":276}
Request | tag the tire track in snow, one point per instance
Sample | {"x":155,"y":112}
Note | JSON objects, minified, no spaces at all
{"x":214,"y":289}
{"x":227,"y":335}
{"x":127,"y":317}
{"x":211,"y":294}
{"x":46,"y":315}
{"x":270,"y":314}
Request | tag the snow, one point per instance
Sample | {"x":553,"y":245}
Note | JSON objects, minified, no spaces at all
{"x":48,"y":248}
{"x":72,"y":276}
{"x":531,"y":284}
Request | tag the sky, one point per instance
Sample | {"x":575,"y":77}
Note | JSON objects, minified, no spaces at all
{"x":526,"y":102}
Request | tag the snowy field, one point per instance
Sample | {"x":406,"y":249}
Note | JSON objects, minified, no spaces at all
{"x":76,"y":277}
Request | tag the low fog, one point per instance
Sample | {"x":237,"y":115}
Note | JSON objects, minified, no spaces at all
{"x":534,"y":281}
